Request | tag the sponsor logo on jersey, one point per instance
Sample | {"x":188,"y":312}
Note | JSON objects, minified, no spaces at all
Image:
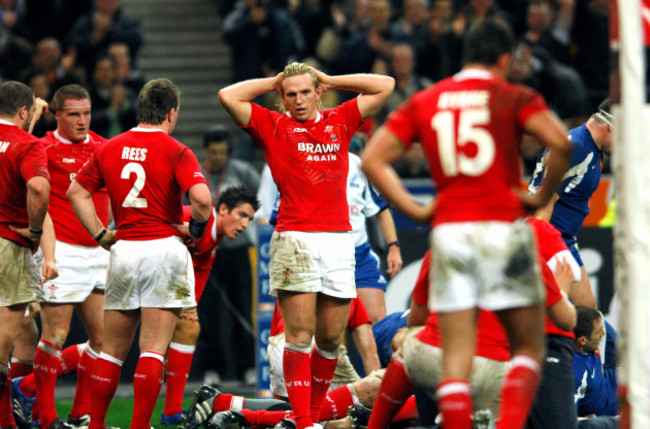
{"x":300,"y":130}
{"x":68,"y":160}
{"x":318,"y":147}
{"x":4,"y":146}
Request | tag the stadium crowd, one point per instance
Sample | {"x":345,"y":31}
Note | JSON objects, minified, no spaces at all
{"x":71,"y":193}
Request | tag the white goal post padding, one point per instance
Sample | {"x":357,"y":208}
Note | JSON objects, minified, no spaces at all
{"x":632,"y":230}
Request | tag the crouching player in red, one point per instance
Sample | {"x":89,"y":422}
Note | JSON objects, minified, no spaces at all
{"x":234,"y":210}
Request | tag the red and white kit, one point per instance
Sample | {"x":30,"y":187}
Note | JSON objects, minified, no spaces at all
{"x":22,"y":157}
{"x":470,"y":126}
{"x":145,"y":171}
{"x":81,"y":262}
{"x":309,"y":163}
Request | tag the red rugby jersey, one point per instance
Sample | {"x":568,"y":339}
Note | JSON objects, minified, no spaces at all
{"x":64,"y":160}
{"x":309,"y":164}
{"x":22,"y":157}
{"x":470,"y":127}
{"x":144,"y":170}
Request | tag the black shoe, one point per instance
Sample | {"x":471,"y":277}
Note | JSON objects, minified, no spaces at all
{"x":58,"y":423}
{"x":286,"y":424}
{"x":201,"y":409}
{"x":360,"y":415}
{"x":228,"y":420}
{"x":80,"y":422}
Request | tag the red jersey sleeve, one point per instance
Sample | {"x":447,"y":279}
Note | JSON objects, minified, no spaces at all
{"x":188,"y":172}
{"x":421,"y":291}
{"x":529,"y":103}
{"x":34,"y":163}
{"x":89,"y":176}
{"x":358,"y":315}
{"x":400,"y":122}
{"x":353,"y":119}
{"x":262,"y":124}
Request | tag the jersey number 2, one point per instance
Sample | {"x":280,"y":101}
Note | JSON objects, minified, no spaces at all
{"x":132,"y":200}
{"x":454,"y":163}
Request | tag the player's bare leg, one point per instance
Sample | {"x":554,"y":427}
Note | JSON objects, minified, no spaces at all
{"x":525,"y":328}
{"x":374,"y":301}
{"x":22,"y":357}
{"x":458,"y":331}
{"x":581,"y":292}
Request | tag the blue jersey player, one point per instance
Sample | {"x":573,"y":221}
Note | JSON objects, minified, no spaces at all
{"x":569,"y":207}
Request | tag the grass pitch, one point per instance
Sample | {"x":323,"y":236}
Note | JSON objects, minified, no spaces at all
{"x":121,"y":410}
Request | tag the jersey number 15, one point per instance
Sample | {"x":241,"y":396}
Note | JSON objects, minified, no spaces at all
{"x":453,"y":162}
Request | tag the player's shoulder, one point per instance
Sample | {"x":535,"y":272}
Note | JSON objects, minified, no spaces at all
{"x":17,"y":135}
{"x":96,"y":138}
{"x":49,"y":139}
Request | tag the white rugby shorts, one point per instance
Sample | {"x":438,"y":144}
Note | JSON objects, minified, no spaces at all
{"x":313,"y":262}
{"x":81,"y":269}
{"x":343,"y":374}
{"x":423,"y":365}
{"x":18,"y":274}
{"x":150,"y":273}
{"x":491,"y":265}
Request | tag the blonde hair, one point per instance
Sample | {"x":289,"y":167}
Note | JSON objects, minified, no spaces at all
{"x":296,"y":69}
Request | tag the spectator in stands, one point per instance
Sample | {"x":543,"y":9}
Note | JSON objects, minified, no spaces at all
{"x":429,"y":51}
{"x":37,"y":81}
{"x":414,"y":20}
{"x":561,"y":86}
{"x":360,"y":51}
{"x":125,"y":73}
{"x":313,"y":17}
{"x":590,"y":36}
{"x":50,"y":18}
{"x":549,"y":30}
{"x":347,"y":18}
{"x":104,"y":24}
{"x":262,"y":39}
{"x":595,"y":387}
{"x":48,"y":58}
{"x":407,"y":81}
{"x":453,"y":36}
{"x":228,"y":295}
{"x":113,"y":104}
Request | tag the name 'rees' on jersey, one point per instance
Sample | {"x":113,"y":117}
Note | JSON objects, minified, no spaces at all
{"x":309,"y":164}
{"x":144,"y":171}
{"x":22,"y":157}
{"x":65,"y":159}
{"x":470,"y":127}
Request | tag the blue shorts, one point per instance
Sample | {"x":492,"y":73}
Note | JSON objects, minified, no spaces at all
{"x":572,"y":244}
{"x":366,"y":272}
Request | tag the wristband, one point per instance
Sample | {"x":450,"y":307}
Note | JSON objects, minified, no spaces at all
{"x":98,"y":236}
{"x":197,"y":228}
{"x":392,"y":243}
{"x":35,"y":233}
